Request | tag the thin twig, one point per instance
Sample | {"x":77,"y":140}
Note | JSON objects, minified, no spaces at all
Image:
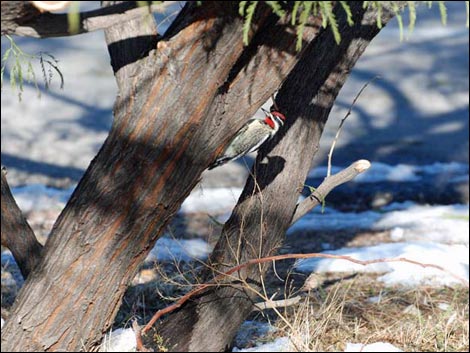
{"x":330,"y":154}
{"x":237,"y":268}
{"x":138,"y":338}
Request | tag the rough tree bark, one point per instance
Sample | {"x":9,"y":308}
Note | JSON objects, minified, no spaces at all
{"x":17,"y":235}
{"x":264,"y":211}
{"x":165,"y":133}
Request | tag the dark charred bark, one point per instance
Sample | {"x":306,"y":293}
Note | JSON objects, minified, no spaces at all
{"x":165,"y":133}
{"x":17,"y":235}
{"x":264,"y":211}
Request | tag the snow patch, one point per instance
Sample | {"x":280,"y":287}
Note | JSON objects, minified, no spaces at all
{"x":38,"y":197}
{"x":177,"y":250}
{"x":281,"y":344}
{"x":120,"y":340}
{"x":453,"y":258}
{"x":444,"y":224}
{"x":211,"y":200}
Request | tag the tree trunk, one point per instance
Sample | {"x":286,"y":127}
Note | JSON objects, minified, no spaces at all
{"x":264,"y":211}
{"x":17,"y":235}
{"x":165,"y":133}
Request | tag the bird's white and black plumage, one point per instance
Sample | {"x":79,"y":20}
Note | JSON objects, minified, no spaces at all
{"x":250,"y":137}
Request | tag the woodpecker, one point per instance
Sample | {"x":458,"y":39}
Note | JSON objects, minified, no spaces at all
{"x":251,"y":136}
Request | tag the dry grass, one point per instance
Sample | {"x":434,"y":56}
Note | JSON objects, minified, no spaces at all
{"x":413,"y":319}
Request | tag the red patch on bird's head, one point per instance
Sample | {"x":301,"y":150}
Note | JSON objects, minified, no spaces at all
{"x":279,"y":115}
{"x":270,"y":122}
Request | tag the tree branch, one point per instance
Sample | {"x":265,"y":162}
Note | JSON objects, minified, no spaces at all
{"x":22,"y":19}
{"x":17,"y":235}
{"x":161,"y":140}
{"x":332,"y":148}
{"x":330,"y":182}
{"x":215,"y":281}
{"x":264,"y":211}
{"x":282,"y":303}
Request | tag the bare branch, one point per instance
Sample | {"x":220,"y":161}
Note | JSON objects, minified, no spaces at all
{"x":138,"y":337}
{"x":32,"y":23}
{"x":271,"y":304}
{"x":330,"y":154}
{"x":215,"y":281}
{"x":320,"y":193}
{"x":17,"y":235}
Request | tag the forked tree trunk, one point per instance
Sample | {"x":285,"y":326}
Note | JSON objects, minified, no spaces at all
{"x":264,"y":211}
{"x":178,"y":103}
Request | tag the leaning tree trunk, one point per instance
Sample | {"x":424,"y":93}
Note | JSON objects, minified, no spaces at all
{"x":264,"y":211}
{"x":17,"y":235}
{"x":179,"y":102}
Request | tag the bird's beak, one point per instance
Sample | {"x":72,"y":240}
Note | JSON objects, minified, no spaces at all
{"x":264,"y":111}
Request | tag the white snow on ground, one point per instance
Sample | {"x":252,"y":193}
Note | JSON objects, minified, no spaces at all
{"x":428,"y":234}
{"x":38,"y":197}
{"x":444,"y":224}
{"x":380,"y":172}
{"x":281,"y":344}
{"x":373,"y":347}
{"x":211,"y":200}
{"x":176,"y":250}
{"x":453,"y":258}
{"x":120,"y":340}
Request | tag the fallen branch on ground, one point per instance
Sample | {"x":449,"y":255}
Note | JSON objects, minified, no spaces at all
{"x":282,"y":303}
